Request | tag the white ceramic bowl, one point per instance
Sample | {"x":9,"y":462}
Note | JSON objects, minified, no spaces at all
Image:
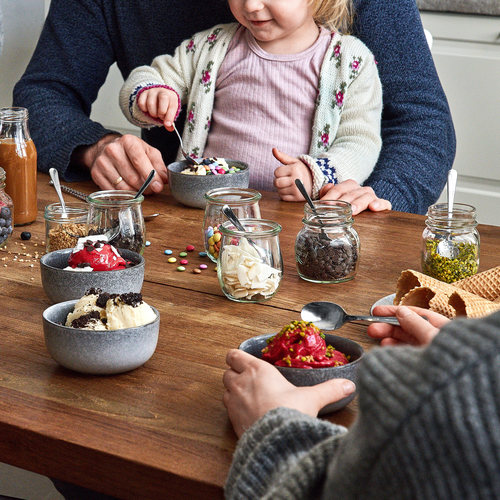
{"x":97,"y":352}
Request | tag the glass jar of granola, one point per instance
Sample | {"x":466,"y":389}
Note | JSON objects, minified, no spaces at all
{"x":62,"y":230}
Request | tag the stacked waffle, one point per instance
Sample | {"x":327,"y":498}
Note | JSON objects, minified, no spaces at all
{"x":476,"y":296}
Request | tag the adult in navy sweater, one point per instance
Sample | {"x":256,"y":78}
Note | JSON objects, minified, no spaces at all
{"x":81,"y":39}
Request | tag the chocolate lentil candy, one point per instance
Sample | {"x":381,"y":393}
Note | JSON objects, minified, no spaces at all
{"x":325,"y":261}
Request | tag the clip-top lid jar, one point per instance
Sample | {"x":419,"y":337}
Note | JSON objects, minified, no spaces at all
{"x":18,"y":159}
{"x":450,"y":247}
{"x":243,"y":201}
{"x":250,"y":265}
{"x":119,"y":213}
{"x":327,"y":247}
{"x":5,"y":211}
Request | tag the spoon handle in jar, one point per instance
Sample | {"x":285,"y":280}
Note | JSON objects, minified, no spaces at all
{"x":375,"y":319}
{"x":54,"y":175}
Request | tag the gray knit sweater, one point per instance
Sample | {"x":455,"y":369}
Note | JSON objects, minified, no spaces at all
{"x":428,"y":427}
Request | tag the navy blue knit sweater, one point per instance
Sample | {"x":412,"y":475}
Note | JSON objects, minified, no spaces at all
{"x":81,"y":39}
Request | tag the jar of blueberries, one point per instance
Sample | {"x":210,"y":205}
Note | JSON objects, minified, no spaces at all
{"x":118,"y":214}
{"x":6,"y":210}
{"x":327,"y":247}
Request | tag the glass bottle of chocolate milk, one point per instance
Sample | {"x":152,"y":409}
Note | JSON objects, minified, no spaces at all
{"x":18,"y":159}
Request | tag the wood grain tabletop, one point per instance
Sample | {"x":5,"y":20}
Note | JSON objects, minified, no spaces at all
{"x":161,"y":431}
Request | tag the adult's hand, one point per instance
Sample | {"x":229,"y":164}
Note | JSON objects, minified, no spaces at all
{"x":123,"y":162}
{"x":413,"y":329}
{"x":253,"y":387}
{"x":360,"y":197}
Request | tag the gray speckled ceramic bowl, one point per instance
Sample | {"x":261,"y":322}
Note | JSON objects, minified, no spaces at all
{"x":60,"y":284}
{"x":305,"y":377}
{"x":190,"y":189}
{"x":97,"y":352}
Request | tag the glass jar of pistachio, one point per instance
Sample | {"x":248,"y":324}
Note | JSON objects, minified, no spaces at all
{"x":450,"y":242}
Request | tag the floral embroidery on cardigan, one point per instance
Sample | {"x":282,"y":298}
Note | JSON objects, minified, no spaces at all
{"x":336,"y":53}
{"x":208,"y":123}
{"x":206,"y":77}
{"x":324,"y":138}
{"x":355,"y":66}
{"x":338,"y":99}
{"x":212,"y":38}
{"x":191,"y":46}
{"x":190,"y":117}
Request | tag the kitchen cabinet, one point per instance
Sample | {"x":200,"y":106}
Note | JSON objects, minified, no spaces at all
{"x":466,"y":52}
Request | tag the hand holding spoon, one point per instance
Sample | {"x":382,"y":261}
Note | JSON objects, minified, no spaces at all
{"x":330,"y":316}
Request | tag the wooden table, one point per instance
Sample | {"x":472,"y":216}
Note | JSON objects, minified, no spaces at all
{"x":162,"y":430}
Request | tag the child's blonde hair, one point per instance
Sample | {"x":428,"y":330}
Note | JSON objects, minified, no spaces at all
{"x":336,"y":15}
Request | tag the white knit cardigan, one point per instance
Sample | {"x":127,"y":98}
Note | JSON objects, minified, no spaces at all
{"x":346,"y":138}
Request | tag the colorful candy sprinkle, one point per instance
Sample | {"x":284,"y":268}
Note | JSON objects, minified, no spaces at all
{"x":190,"y":248}
{"x":181,"y":268}
{"x":172,"y":260}
{"x":168,"y":252}
{"x":202,"y":254}
{"x":148,"y":243}
{"x":184,"y":262}
{"x":203,"y":266}
{"x":182,"y":254}
{"x":196,"y":271}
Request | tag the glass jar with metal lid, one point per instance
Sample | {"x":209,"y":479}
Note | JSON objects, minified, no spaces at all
{"x":119,"y":214}
{"x":6,"y":211}
{"x":327,"y":247}
{"x":450,"y":242}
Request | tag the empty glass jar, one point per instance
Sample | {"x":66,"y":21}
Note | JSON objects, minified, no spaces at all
{"x":450,"y":242}
{"x":250,"y":265}
{"x":243,"y":201}
{"x":327,"y":247}
{"x":120,"y":214}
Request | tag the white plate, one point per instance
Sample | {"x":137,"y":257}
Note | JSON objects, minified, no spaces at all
{"x":388,"y":300}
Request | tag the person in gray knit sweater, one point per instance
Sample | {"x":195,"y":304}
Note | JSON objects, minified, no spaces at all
{"x":428,"y":424}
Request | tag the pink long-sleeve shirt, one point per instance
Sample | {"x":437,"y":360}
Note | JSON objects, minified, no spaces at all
{"x":252,"y":84}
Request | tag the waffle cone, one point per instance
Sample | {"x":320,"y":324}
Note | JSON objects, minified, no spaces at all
{"x":410,"y":279}
{"x":472,"y":305}
{"x":427,"y":298}
{"x":485,"y":284}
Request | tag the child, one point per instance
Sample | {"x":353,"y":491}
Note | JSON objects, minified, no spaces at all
{"x":278,"y":83}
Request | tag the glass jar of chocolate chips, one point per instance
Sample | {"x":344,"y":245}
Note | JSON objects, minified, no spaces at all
{"x":327,"y":247}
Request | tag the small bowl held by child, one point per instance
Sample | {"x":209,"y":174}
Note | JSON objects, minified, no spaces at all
{"x":190,"y":189}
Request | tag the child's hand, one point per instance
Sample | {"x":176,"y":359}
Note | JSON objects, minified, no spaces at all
{"x":285,"y":175}
{"x":159,"y":103}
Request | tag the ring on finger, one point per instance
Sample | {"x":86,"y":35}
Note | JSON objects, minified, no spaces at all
{"x":118,"y":180}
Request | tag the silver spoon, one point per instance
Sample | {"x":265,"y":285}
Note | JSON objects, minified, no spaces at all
{"x":147,"y":182}
{"x":305,"y":194}
{"x":191,"y":161}
{"x":445,"y":247}
{"x":330,"y":316}
{"x":83,"y":196}
{"x":228,"y":212}
{"x":54,"y":175}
